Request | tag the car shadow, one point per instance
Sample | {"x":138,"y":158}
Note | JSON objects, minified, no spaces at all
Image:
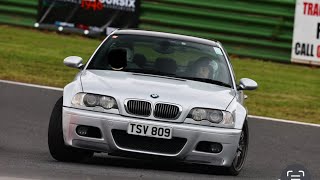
{"x":154,"y":164}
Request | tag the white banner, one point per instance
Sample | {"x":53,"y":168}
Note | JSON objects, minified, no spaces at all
{"x":306,"y":35}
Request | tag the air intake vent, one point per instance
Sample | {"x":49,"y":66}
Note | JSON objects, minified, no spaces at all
{"x":166,"y":111}
{"x":149,"y":144}
{"x":139,"y":108}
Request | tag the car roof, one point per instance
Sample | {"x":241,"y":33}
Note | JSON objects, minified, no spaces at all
{"x":167,"y":35}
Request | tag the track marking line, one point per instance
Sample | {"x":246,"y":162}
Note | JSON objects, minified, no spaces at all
{"x":284,"y":121}
{"x":31,"y":85}
{"x":250,"y":116}
{"x":13,"y":178}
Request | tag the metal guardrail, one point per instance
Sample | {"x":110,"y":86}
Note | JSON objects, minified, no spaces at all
{"x":251,"y":28}
{"x":259,"y":29}
{"x":18,"y":12}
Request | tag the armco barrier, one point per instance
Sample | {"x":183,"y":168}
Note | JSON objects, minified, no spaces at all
{"x":18,"y":12}
{"x":251,"y":28}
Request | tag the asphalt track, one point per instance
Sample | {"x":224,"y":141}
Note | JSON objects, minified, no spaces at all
{"x":24,"y":117}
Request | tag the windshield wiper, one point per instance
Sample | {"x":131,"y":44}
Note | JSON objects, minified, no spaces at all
{"x":150,"y":71}
{"x":206,"y":80}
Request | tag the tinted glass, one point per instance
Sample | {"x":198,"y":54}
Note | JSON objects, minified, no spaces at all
{"x":167,"y":57}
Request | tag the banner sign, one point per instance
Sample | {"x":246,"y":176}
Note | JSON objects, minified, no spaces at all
{"x":306,"y":36}
{"x":88,"y":16}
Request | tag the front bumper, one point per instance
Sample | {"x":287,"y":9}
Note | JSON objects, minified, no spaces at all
{"x":229,"y":138}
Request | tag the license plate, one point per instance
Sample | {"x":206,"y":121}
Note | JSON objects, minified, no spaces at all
{"x":150,"y":130}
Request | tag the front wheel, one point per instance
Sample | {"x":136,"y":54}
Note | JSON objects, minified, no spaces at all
{"x":58,"y":149}
{"x":242,"y":151}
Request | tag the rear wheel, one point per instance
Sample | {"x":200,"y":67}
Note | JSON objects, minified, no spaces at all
{"x":57,"y":147}
{"x":242,"y":151}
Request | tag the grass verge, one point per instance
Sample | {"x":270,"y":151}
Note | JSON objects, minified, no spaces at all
{"x":285,"y":91}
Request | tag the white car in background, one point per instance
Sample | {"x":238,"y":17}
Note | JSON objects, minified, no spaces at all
{"x":146,"y":94}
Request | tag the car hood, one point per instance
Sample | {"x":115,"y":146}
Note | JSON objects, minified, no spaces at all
{"x":126,"y":85}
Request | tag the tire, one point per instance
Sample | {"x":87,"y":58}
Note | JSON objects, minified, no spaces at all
{"x":238,"y":162}
{"x":57,"y":147}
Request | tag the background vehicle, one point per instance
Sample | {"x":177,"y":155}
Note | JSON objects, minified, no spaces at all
{"x":153,"y":94}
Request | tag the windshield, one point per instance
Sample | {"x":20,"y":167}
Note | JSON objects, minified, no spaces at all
{"x":167,"y":57}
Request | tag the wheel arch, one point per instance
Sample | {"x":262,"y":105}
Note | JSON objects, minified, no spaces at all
{"x":70,"y":90}
{"x":239,"y":112}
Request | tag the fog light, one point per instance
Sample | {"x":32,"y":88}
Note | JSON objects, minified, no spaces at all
{"x":216,"y":147}
{"x":88,"y":131}
{"x":82,"y":130}
{"x":210,"y":147}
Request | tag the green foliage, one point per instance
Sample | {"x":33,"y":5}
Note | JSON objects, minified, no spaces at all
{"x":285,"y":90}
{"x":37,"y":57}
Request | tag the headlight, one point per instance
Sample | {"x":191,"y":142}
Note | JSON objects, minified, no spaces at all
{"x":199,"y":114}
{"x":93,"y":100}
{"x":107,"y":102}
{"x":212,"y":115}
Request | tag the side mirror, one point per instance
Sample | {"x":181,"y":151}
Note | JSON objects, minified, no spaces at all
{"x":73,"y":61}
{"x":247,"y":84}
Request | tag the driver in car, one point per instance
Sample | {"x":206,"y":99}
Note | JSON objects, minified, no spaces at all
{"x":203,"y":68}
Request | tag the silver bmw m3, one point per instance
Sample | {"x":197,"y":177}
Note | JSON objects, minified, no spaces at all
{"x":153,"y":94}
